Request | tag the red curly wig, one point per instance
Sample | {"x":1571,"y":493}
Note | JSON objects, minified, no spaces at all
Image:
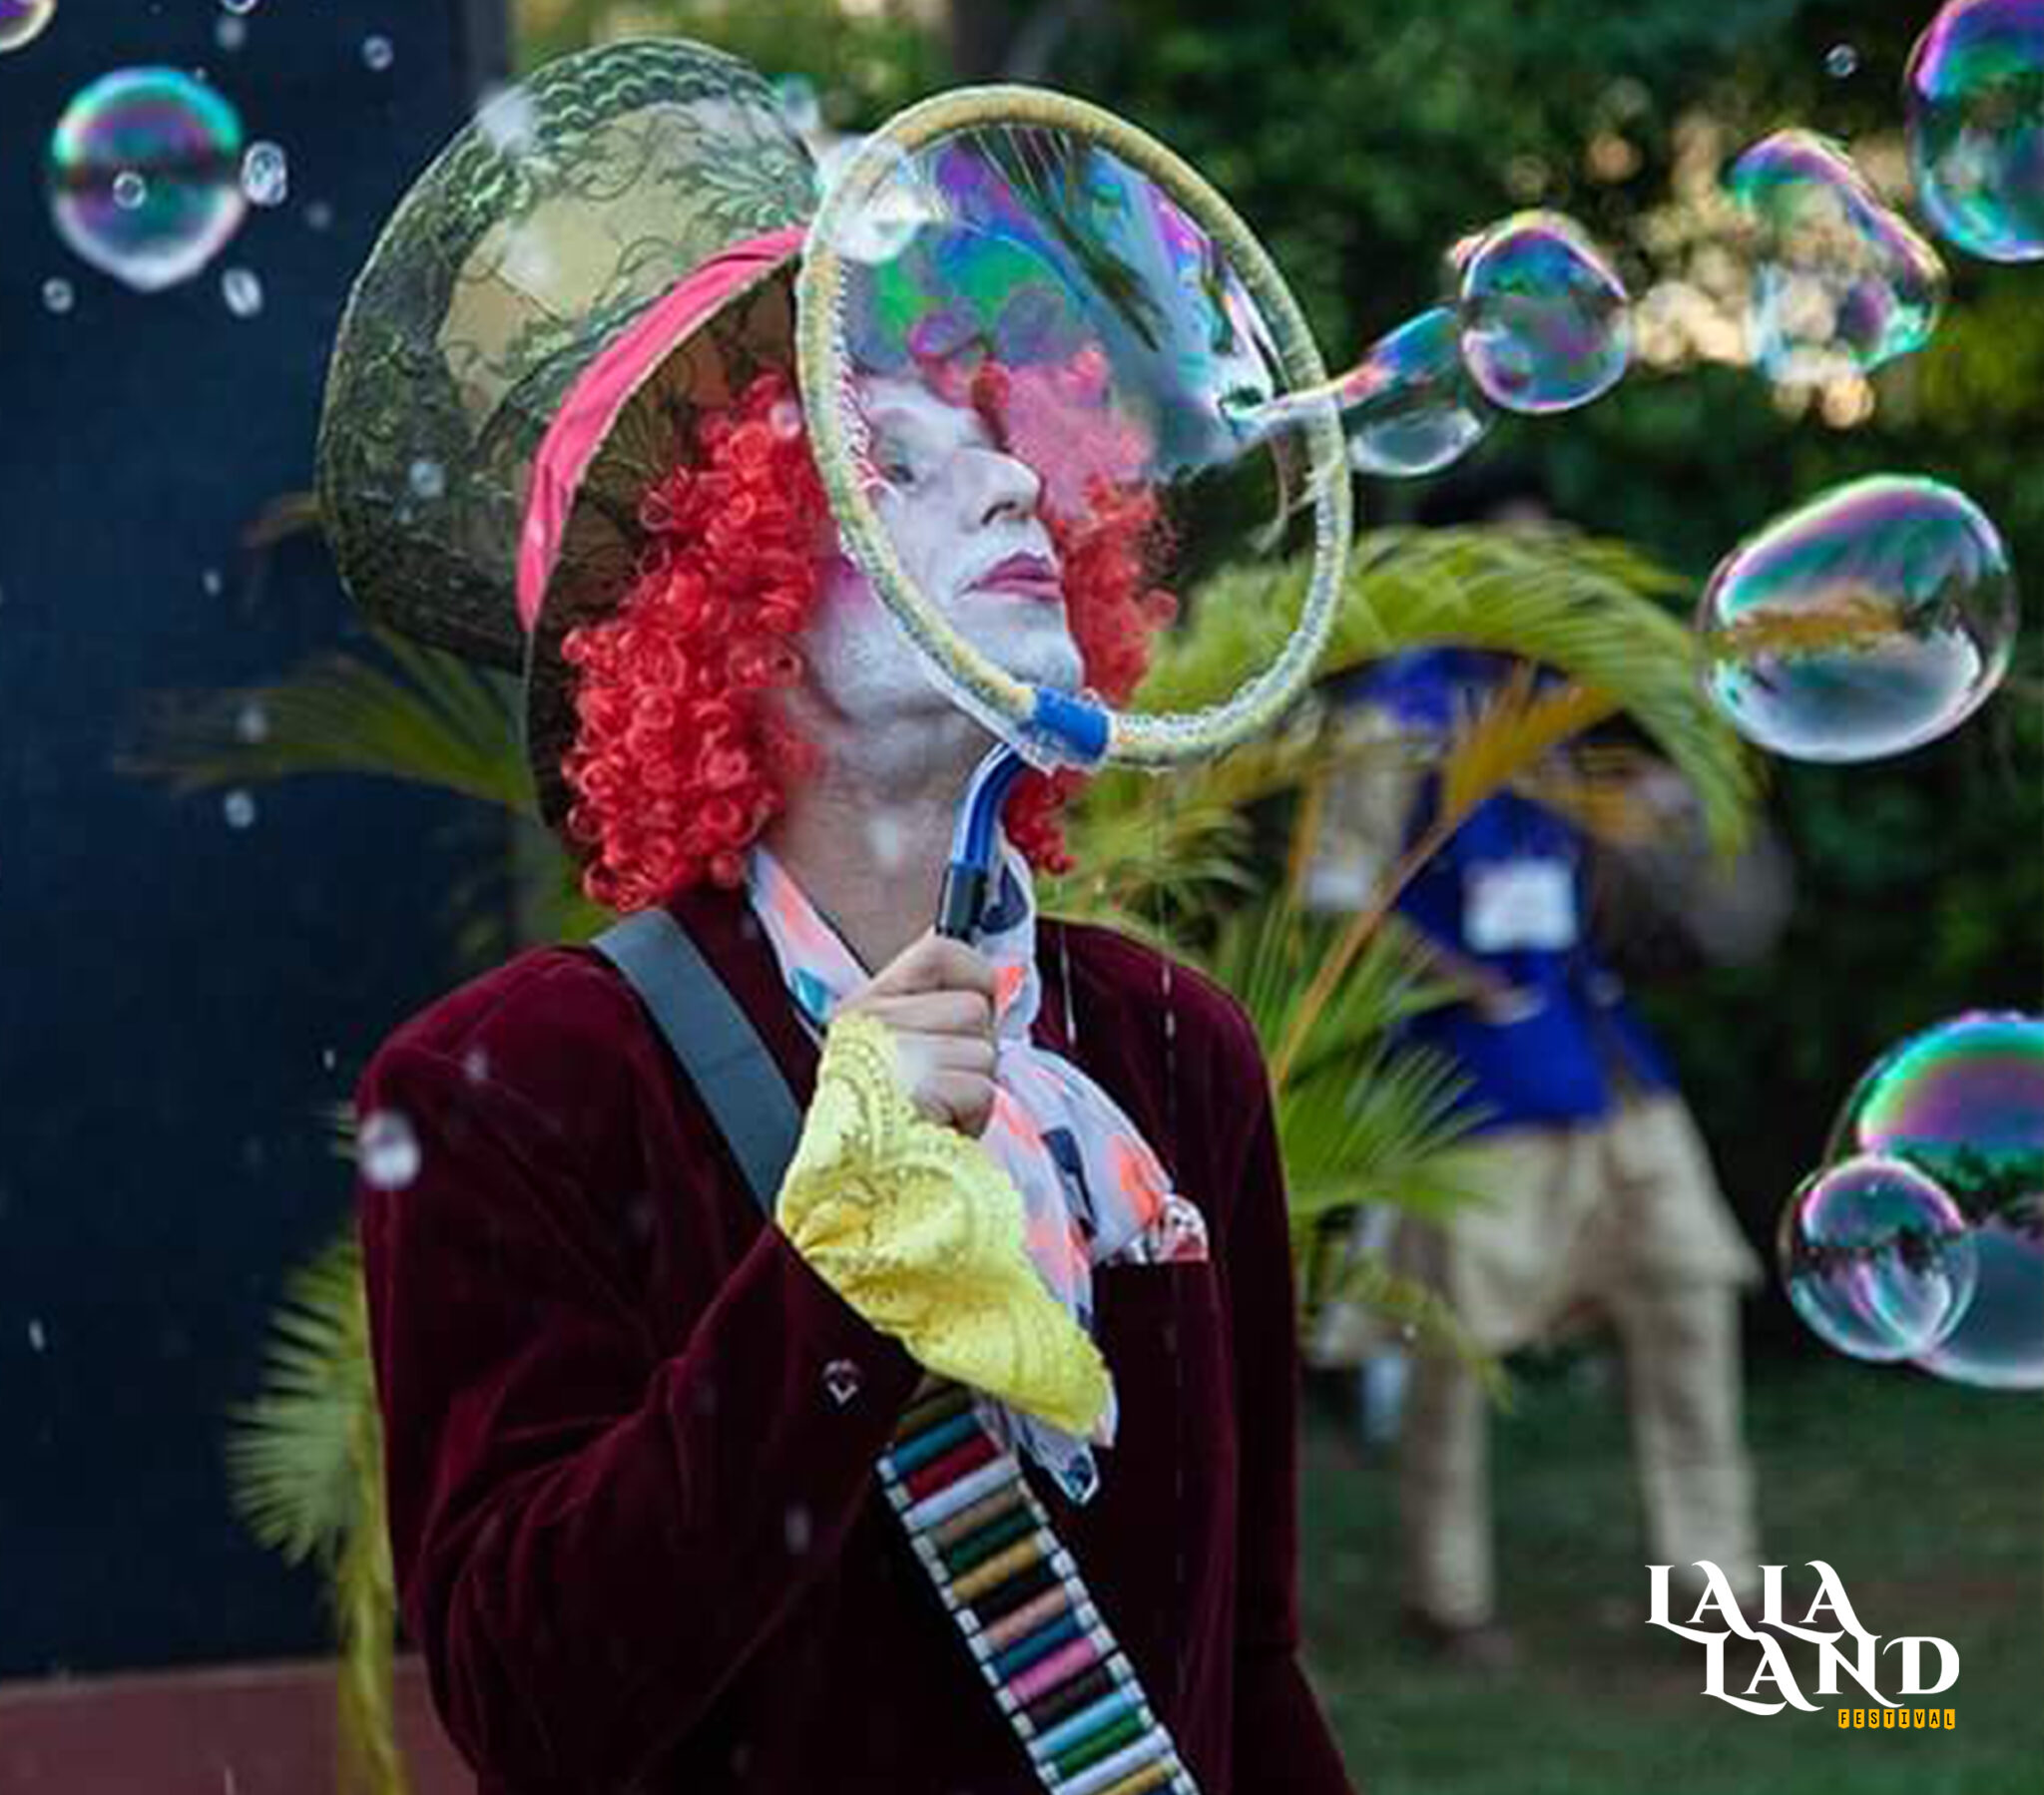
{"x":679,"y":761}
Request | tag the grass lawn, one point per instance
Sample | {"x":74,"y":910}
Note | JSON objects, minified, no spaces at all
{"x":1927,"y":1500}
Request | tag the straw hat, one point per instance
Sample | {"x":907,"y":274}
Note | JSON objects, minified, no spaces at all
{"x":607,"y":250}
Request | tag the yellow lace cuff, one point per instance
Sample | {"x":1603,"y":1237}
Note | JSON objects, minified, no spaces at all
{"x":918,"y":1228}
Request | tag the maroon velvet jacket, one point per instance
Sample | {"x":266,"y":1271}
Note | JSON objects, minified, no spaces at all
{"x":637,"y":1538}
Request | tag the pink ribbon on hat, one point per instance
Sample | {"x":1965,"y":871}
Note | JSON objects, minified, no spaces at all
{"x":600,"y":393}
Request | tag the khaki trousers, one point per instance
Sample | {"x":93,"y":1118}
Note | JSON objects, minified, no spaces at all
{"x":1625,"y":1218}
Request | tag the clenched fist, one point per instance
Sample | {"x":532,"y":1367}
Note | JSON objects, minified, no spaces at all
{"x":937,"y":999}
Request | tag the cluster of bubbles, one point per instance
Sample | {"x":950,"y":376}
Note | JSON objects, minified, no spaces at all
{"x":1539,"y":321}
{"x":1923,"y":1237}
{"x":144,"y":175}
{"x":1879,"y":614}
{"x":147,"y":175}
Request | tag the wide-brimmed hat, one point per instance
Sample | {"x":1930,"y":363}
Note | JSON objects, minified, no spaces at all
{"x":605,"y":251}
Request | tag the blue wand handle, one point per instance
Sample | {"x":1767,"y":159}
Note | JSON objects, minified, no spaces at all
{"x":970,"y":872}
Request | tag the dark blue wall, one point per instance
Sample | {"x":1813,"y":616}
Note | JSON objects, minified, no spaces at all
{"x":178,"y":998}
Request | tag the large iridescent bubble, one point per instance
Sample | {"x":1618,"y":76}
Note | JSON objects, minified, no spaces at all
{"x":1974,"y":96}
{"x":1878,"y":1260}
{"x":1964,"y":1103}
{"x":23,"y":21}
{"x":1545,"y":320}
{"x":1841,"y":282}
{"x":144,"y":175}
{"x":1871,"y":620}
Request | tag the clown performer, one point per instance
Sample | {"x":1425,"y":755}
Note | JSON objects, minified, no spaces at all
{"x":968,"y":1465}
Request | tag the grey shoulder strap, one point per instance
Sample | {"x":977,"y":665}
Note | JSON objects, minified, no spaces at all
{"x":717,"y":1046}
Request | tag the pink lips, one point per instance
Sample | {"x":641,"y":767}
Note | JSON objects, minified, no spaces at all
{"x":1025,"y":576}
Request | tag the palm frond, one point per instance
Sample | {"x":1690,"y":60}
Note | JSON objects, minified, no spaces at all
{"x":426,"y":718}
{"x":1509,"y":735}
{"x":291,"y":1452}
{"x":1591,"y":609}
{"x":306,"y":1473}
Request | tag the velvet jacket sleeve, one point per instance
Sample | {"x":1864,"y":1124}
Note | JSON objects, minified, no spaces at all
{"x":588,"y":1493}
{"x":1281,"y":1739}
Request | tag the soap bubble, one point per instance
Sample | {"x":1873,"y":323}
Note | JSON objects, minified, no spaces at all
{"x":1544,"y":316}
{"x":143,"y":176}
{"x":238,"y":807}
{"x":58,"y":296}
{"x":801,"y":108}
{"x":1974,"y":98}
{"x":23,"y":21}
{"x":230,"y":33}
{"x":243,"y":291}
{"x":1407,"y":408}
{"x":1871,"y":620}
{"x":377,"y":54}
{"x":1877,"y":1259}
{"x":1964,"y":1103}
{"x":897,"y":207}
{"x":266,"y":175}
{"x":1843,"y":283}
{"x":1416,"y":407}
{"x":1841,"y":61}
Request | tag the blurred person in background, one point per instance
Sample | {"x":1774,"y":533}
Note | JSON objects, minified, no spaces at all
{"x":1595,"y":1195}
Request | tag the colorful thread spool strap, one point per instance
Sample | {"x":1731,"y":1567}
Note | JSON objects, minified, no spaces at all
{"x":986,"y":1543}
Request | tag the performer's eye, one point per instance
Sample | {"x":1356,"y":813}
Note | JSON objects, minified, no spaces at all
{"x":896,"y":469}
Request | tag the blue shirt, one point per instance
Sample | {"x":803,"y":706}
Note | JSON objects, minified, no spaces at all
{"x":1561,"y":1063}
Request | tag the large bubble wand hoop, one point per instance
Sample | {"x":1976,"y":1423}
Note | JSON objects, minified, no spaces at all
{"x":1024,"y":229}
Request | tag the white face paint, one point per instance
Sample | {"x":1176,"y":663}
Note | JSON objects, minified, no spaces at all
{"x":962,"y":516}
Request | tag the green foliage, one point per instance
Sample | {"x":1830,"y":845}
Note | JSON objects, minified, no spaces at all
{"x":427,"y":718}
{"x":306,"y":1473}
{"x":1361,"y":142}
{"x":865,"y":62}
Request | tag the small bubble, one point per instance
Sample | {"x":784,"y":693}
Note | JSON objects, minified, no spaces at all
{"x":37,"y":1339}
{"x":240,"y":809}
{"x":130,"y":192}
{"x":320,"y":215}
{"x":230,"y":33}
{"x":842,"y":1379}
{"x":387,"y":1150}
{"x":797,"y":1528}
{"x":428,"y":480}
{"x":1841,"y":61}
{"x":252,"y":722}
{"x":241,"y":7}
{"x":377,"y":53}
{"x":211,"y":583}
{"x":58,"y":296}
{"x":242,"y":293}
{"x":509,"y":120}
{"x":800,"y":108}
{"x":887,"y":839}
{"x":266,"y":175}
{"x":475,"y":1065}
{"x":328,"y":1059}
